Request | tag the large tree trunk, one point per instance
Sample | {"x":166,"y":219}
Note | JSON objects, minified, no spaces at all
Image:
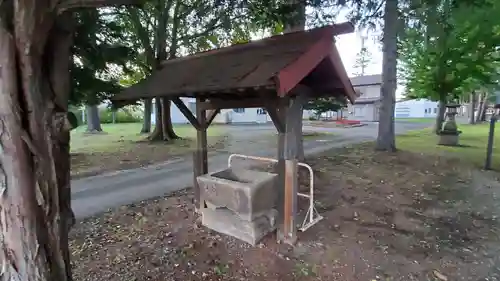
{"x":34,"y":144}
{"x":93,"y":120}
{"x":472,"y":107}
{"x":386,"y":139}
{"x":440,"y":116}
{"x":146,"y":125}
{"x":163,"y":130}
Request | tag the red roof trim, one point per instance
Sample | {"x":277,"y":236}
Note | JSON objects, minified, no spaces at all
{"x":292,"y":74}
{"x":344,"y":78}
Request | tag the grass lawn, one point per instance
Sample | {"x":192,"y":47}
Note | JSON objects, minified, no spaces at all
{"x":473,"y":141}
{"x":118,"y":135}
{"x":416,"y":120}
{"x":121,"y":146}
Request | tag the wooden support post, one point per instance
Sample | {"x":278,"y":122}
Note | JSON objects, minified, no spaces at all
{"x":287,"y":231}
{"x":200,"y":159}
{"x":278,"y":116}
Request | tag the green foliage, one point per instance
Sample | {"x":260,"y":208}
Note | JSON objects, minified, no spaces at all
{"x":98,"y":52}
{"x":363,"y":60}
{"x":450,"y":49}
{"x":121,"y":116}
{"x":322,"y":105}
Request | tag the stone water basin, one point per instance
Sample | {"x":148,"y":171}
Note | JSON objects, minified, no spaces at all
{"x":248,"y":193}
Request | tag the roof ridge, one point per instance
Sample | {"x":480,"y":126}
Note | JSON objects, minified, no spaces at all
{"x":341,"y":29}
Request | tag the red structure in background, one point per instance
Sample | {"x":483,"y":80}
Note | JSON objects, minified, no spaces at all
{"x":347,"y":122}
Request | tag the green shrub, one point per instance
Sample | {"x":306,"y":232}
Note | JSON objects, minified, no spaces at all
{"x":122,"y":116}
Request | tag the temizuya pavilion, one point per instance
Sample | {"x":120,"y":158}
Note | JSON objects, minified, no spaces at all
{"x":279,"y":73}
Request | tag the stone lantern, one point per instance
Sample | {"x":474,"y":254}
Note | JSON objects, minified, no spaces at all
{"x":449,"y":132}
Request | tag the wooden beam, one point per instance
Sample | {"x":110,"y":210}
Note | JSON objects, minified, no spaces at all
{"x":211,"y":116}
{"x":280,"y":169}
{"x":200,"y":164}
{"x":241,"y":103}
{"x":277,"y":120}
{"x":187,"y":113}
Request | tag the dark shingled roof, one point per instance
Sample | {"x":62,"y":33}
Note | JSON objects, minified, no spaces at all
{"x":279,"y":63}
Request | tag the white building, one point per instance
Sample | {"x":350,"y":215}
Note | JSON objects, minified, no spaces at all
{"x":418,"y":108}
{"x":175,"y":113}
{"x":226,"y":116}
{"x":367,"y":105}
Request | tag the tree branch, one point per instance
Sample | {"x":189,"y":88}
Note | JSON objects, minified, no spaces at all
{"x":215,"y":24}
{"x":175,"y":29}
{"x":65,"y":5}
{"x":143,"y":35}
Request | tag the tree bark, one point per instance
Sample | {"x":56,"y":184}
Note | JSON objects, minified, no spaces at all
{"x":386,"y":140}
{"x":480,"y":108}
{"x":164,"y":129}
{"x":93,"y":121}
{"x":438,"y":125}
{"x":34,"y":144}
{"x":482,"y":117}
{"x":146,"y":125}
{"x":472,"y":120}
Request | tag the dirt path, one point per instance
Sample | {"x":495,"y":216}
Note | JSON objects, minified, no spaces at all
{"x":387,"y":217}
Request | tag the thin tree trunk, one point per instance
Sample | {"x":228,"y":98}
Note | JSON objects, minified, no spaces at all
{"x":146,"y":125}
{"x":438,"y":125}
{"x":472,"y":107}
{"x":484,"y":107}
{"x":93,"y":121}
{"x":480,"y":107}
{"x":34,"y":151}
{"x":386,"y":139}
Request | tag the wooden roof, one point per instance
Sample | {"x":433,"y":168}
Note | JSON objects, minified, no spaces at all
{"x":277,"y":64}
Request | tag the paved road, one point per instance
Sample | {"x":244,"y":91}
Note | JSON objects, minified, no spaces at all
{"x":96,"y":194}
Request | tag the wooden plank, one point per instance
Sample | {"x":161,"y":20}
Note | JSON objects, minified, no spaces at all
{"x":210,"y":117}
{"x":187,"y":113}
{"x":242,"y":103}
{"x":291,"y":183}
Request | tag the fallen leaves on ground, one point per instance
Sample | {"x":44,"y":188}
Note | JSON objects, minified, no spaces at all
{"x":387,"y":216}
